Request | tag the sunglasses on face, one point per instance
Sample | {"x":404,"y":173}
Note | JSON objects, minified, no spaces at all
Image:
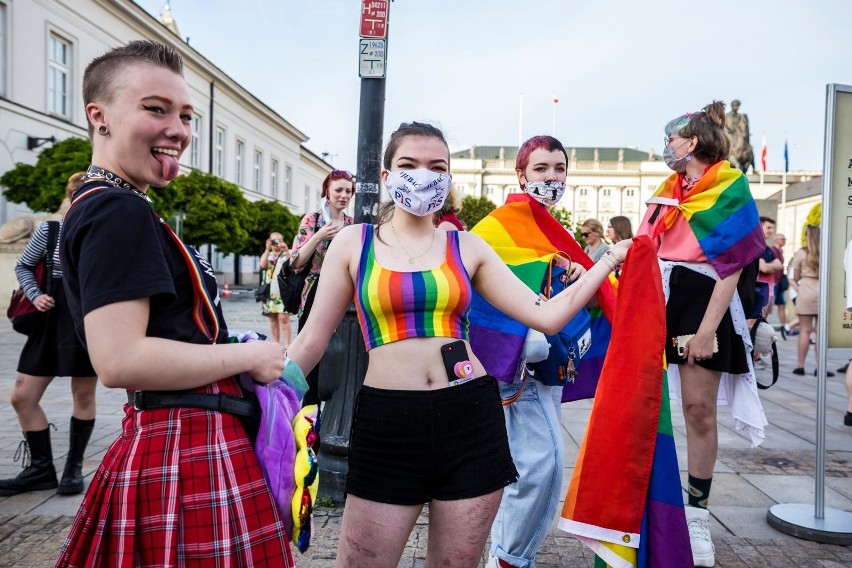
{"x":585,"y":235}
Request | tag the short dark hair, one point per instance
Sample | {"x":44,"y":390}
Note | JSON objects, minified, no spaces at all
{"x":764,"y":219}
{"x":99,"y":79}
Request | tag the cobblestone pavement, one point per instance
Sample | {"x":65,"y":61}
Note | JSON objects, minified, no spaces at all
{"x":747,"y":481}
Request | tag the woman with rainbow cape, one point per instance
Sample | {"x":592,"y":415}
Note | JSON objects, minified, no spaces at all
{"x":528,"y":238}
{"x":706,"y":228}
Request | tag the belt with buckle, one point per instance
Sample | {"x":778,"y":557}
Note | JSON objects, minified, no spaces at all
{"x":144,"y":400}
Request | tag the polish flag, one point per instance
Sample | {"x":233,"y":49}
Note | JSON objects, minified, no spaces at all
{"x":763,"y":154}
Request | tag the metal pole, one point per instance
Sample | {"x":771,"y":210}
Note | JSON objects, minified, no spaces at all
{"x":371,"y":120}
{"x":829,"y":526}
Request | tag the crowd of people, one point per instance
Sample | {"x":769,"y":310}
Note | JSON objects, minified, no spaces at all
{"x":439,"y":420}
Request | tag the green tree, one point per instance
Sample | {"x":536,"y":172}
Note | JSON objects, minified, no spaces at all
{"x":474,"y":209}
{"x":42,"y":187}
{"x":267,"y":217}
{"x":215,"y":211}
{"x":564,"y":217}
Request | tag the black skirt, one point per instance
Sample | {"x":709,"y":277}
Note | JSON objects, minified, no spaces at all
{"x":689,"y":296}
{"x":54,"y":350}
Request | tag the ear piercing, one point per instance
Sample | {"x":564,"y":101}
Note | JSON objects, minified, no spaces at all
{"x":103,"y":130}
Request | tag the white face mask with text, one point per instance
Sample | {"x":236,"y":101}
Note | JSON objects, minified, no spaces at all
{"x":421,"y":192}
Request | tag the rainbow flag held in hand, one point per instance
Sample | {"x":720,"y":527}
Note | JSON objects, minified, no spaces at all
{"x":526,"y":237}
{"x":624,"y":501}
{"x":720,"y":211}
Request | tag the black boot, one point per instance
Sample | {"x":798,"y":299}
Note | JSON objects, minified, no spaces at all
{"x":72,"y":478}
{"x":39,"y":473}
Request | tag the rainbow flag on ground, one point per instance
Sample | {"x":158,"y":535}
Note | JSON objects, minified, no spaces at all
{"x":526,"y":236}
{"x":624,"y":501}
{"x":720,"y":211}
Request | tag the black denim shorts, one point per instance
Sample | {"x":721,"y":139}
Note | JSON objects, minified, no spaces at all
{"x":409,"y":447}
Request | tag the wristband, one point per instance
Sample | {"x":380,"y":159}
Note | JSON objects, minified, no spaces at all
{"x":294,"y":377}
{"x":610,"y":260}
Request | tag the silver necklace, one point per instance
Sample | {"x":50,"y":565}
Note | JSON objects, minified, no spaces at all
{"x":412,"y":259}
{"x":94,"y":173}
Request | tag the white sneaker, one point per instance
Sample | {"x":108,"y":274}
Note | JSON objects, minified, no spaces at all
{"x":698,"y":523}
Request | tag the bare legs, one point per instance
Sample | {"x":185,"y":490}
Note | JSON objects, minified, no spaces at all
{"x":806,"y":325}
{"x":279,"y":326}
{"x":374,"y":534}
{"x":27,"y":393}
{"x":700,"y":388}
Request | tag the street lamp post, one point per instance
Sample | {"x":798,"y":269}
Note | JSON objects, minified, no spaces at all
{"x":344,"y":364}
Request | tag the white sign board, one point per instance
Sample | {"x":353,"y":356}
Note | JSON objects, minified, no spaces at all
{"x":371,"y":58}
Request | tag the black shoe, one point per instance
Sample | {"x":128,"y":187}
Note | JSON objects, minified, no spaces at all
{"x":783,"y":333}
{"x":843,"y":368}
{"x":37,"y":459}
{"x":799,"y":371}
{"x":847,"y":420}
{"x":72,"y":478}
{"x":827,"y":373}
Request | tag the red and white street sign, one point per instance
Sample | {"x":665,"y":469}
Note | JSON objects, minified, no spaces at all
{"x":374,"y":18}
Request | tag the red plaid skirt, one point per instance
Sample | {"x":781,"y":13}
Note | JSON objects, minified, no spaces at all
{"x":180,"y":487}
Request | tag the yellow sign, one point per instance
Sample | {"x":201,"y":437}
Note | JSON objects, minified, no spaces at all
{"x":837,"y":211}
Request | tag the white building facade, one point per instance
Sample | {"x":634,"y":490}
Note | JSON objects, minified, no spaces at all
{"x":45,"y":46}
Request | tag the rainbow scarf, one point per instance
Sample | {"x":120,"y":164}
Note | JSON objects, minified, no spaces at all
{"x":720,"y":211}
{"x":526,"y":237}
{"x":624,"y":501}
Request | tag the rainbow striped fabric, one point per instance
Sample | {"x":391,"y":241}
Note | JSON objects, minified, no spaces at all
{"x":526,"y":236}
{"x":720,"y":211}
{"x":624,"y":501}
{"x":395,"y":305}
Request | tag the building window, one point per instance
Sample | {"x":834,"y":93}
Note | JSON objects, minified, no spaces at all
{"x":630,"y":192}
{"x":273,"y":178}
{"x":606,"y":192}
{"x":195,"y":145}
{"x":220,"y":152}
{"x":307,"y":198}
{"x":239,"y":155}
{"x":258,"y":170}
{"x":3,"y":49}
{"x":288,"y":183}
{"x":58,"y":76}
{"x":584,"y":191}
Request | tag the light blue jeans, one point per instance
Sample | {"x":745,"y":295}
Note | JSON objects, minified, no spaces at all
{"x":535,"y":440}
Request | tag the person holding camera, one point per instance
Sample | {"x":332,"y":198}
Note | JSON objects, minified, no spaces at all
{"x":271,"y":261}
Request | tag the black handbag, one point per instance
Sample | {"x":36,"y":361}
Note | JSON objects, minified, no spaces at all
{"x":291,"y":285}
{"x":261,"y":294}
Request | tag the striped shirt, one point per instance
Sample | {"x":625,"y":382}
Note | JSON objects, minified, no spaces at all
{"x":393,"y":305}
{"x":33,"y":253}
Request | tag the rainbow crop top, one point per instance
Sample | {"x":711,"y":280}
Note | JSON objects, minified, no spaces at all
{"x":397,"y":305}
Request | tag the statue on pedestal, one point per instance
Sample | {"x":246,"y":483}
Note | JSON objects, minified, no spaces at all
{"x":736,"y":124}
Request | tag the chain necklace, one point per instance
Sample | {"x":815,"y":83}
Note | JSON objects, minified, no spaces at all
{"x":412,"y":259}
{"x":94,"y":173}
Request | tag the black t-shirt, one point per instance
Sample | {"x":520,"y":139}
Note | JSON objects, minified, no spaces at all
{"x":113,"y":249}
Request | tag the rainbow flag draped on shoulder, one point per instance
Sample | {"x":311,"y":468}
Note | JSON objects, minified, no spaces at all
{"x":526,"y":236}
{"x":720,"y":211}
{"x":624,"y":501}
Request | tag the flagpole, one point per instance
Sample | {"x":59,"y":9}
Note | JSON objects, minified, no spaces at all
{"x":783,"y":215}
{"x":555,"y":102}
{"x":520,"y":120}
